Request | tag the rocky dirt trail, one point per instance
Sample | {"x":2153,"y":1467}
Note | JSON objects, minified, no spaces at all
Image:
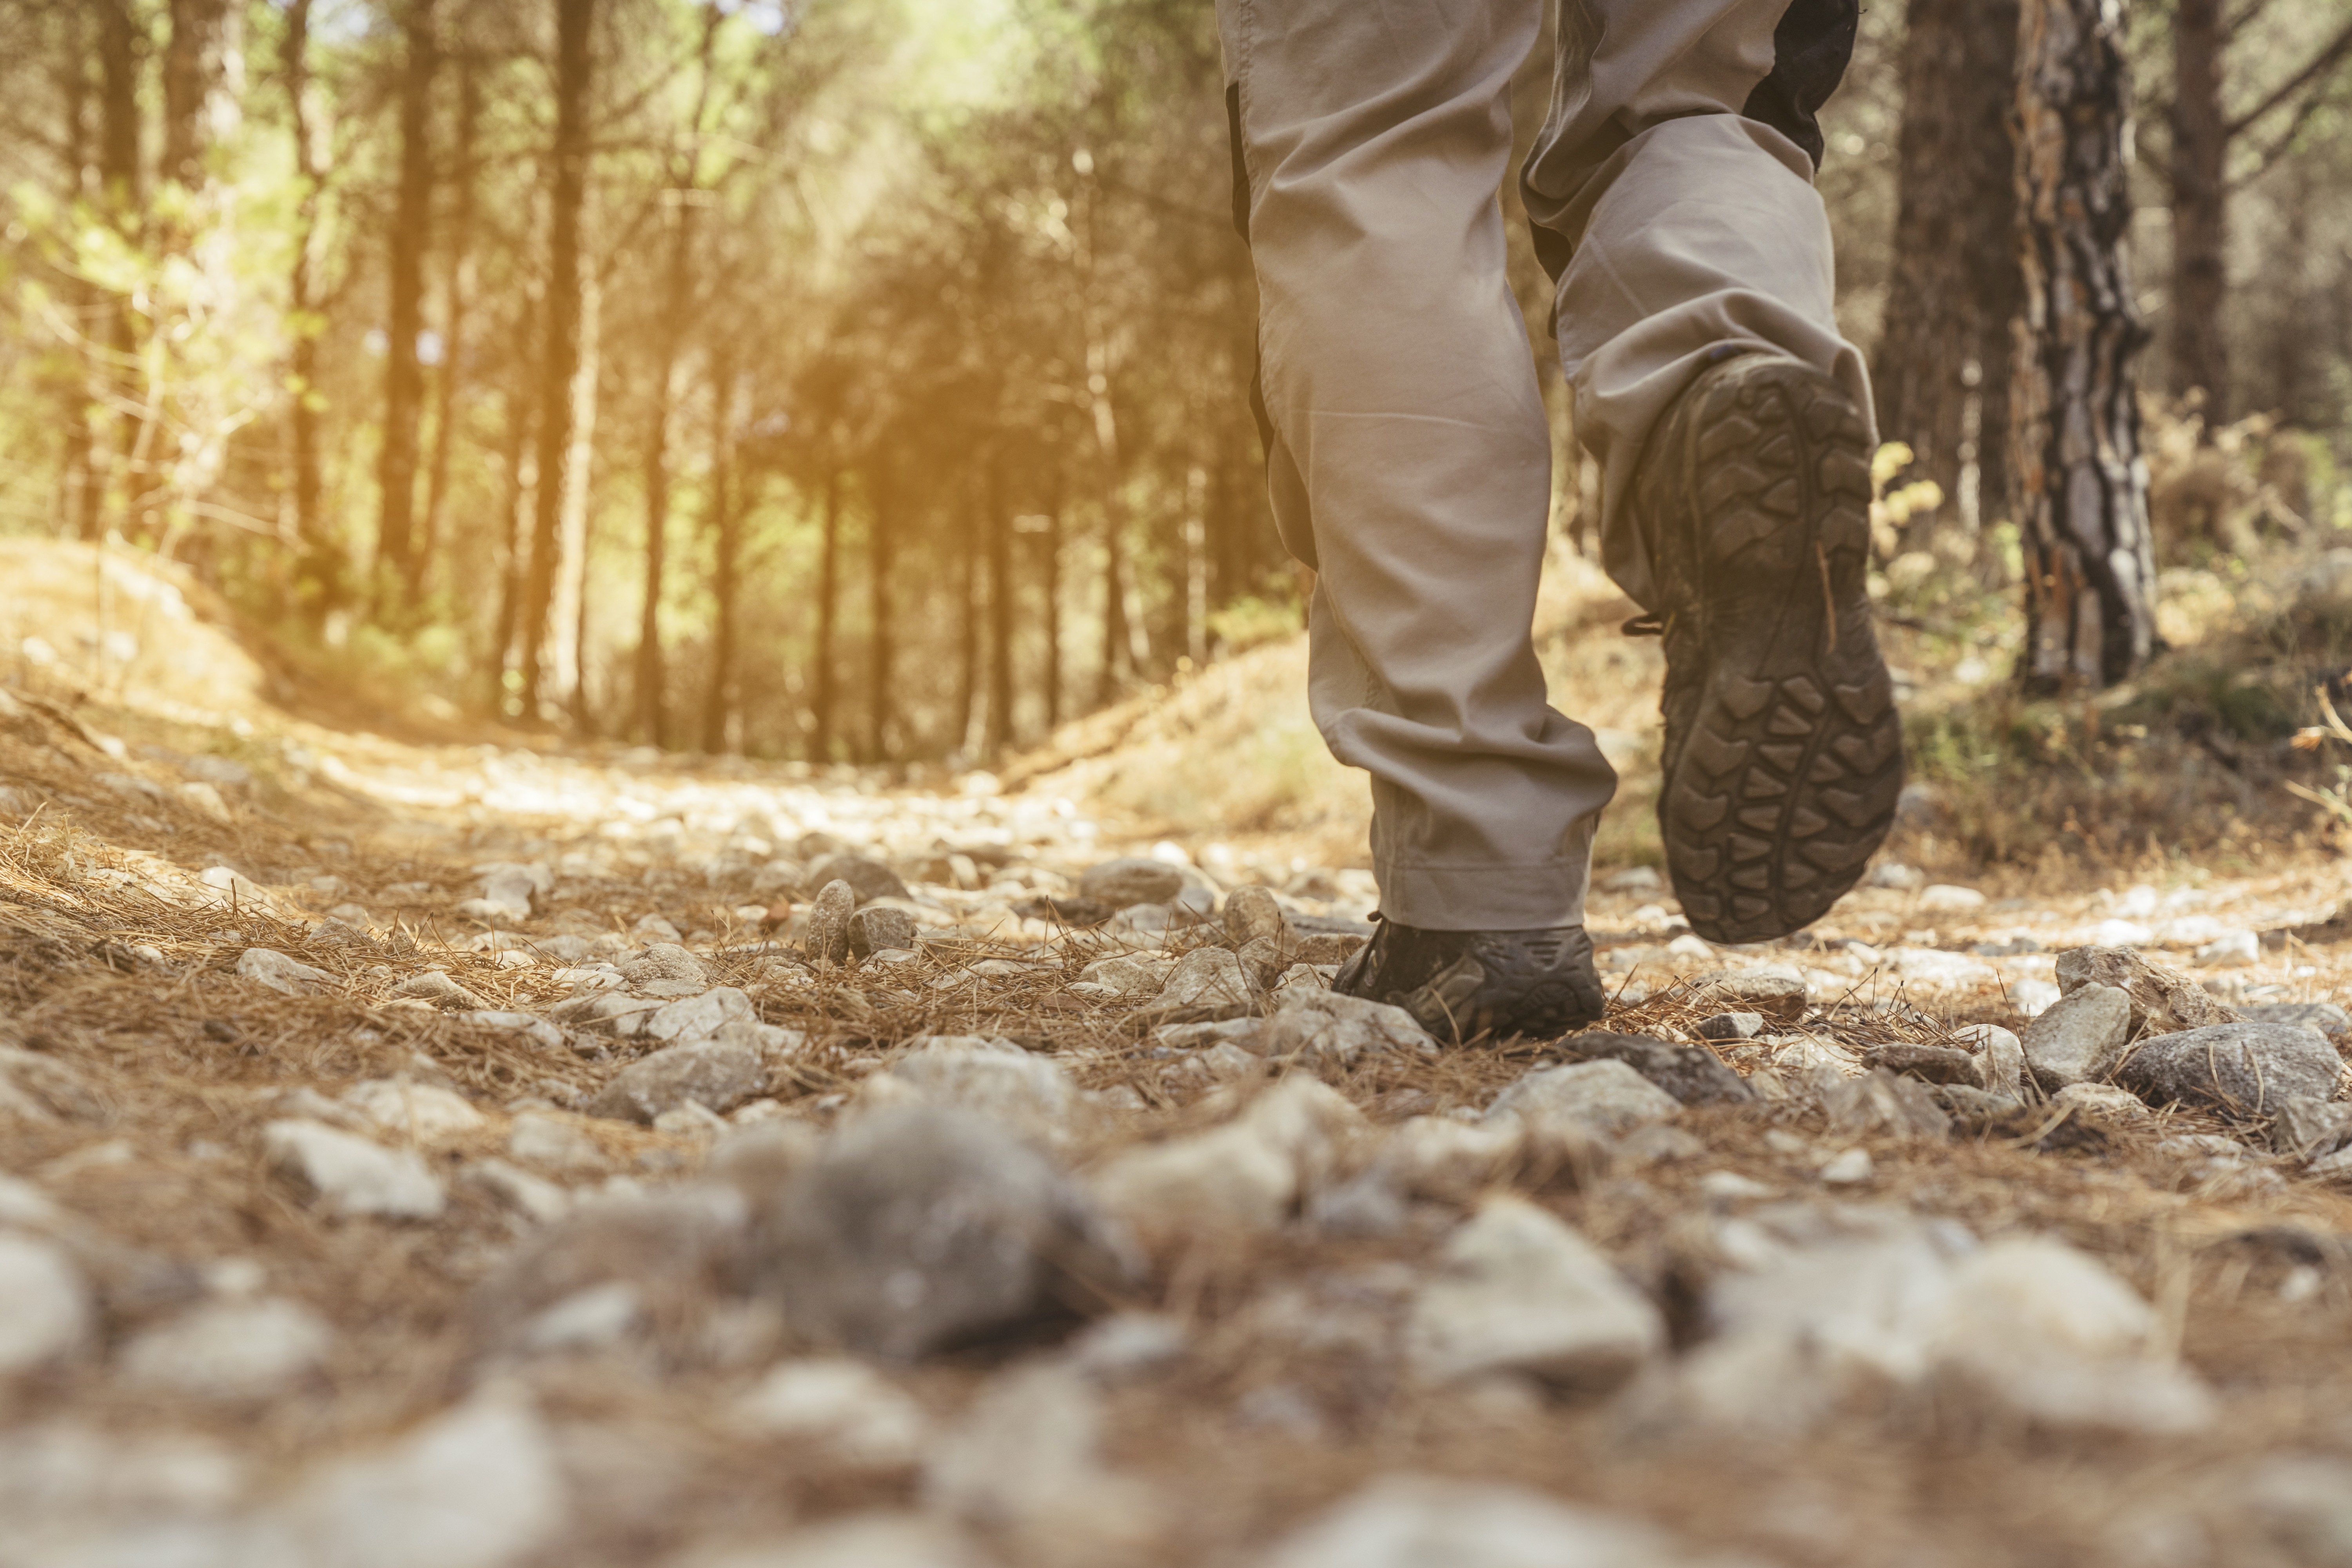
{"x":464,"y":1158}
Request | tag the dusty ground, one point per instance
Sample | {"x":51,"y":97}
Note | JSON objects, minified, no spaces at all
{"x":142,"y":857}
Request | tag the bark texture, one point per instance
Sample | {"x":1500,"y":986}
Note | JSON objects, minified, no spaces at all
{"x":404,"y":371}
{"x":560,"y":365}
{"x":1955,"y":283}
{"x":2081,"y":487}
{"x":2201,"y":218}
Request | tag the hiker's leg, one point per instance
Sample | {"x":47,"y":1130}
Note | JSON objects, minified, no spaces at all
{"x":1410,"y":458}
{"x":1672,"y":191}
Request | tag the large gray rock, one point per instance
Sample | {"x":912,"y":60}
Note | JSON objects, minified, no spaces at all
{"x":1424,"y":1522}
{"x":1518,"y":1291}
{"x":1603,"y":1097}
{"x":718,"y":1075}
{"x":2162,"y":1000}
{"x":2239,"y":1070}
{"x":920,"y":1228}
{"x":2324,"y":1017}
{"x":1692,"y":1074}
{"x":2081,"y":1037}
{"x":1120,"y":883}
{"x":868,"y":879}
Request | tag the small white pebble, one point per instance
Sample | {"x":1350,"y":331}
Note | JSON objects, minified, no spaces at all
{"x":1846,"y":1169}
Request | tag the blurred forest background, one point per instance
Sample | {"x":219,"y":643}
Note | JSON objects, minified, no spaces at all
{"x":864,"y":380}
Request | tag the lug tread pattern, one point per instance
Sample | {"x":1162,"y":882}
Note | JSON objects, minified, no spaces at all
{"x":1784,"y":755}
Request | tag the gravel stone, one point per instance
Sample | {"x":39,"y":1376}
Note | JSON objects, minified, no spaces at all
{"x":880,"y":928}
{"x":417,"y":1112}
{"x":1930,"y":1064}
{"x":868,"y":880}
{"x":44,"y":1304}
{"x":993,"y":1078}
{"x":477,"y":1486}
{"x":291,"y":976}
{"x":1517,"y":1290}
{"x":444,"y":993}
{"x":1425,"y":1521}
{"x":1692,"y":1074}
{"x":2000,"y":1056}
{"x":718,"y":1075}
{"x":2081,"y":1037}
{"x":1206,"y":977}
{"x":349,"y":1175}
{"x":1604,"y":1096}
{"x":2102,"y":1099}
{"x":1122,"y":884}
{"x":699,"y":1017}
{"x":827,"y":939}
{"x":554,"y":1143}
{"x":920,"y":1228}
{"x":1777,"y":991}
{"x":665,"y":960}
{"x":2162,"y":1000}
{"x":1322,"y":1027}
{"x":2239,"y":1070}
{"x":1251,"y":914}
{"x":1731,"y":1026}
{"x":232,"y":1352}
{"x":1880,"y":1102}
{"x":853,"y":1413}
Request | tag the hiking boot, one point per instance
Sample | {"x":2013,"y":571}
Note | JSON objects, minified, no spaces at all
{"x":1783,"y":750}
{"x":1458,"y":985}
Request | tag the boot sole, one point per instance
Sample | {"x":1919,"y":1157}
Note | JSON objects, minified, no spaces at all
{"x":1787,"y":781}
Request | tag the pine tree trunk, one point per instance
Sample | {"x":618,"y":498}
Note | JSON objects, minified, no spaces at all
{"x":726,"y":564}
{"x":2081,"y":487}
{"x":194,"y":64}
{"x":1052,"y":548}
{"x":458,"y":294}
{"x":560,"y":363}
{"x":2200,"y":149}
{"x":824,"y":707}
{"x":77,"y":479}
{"x":677,"y":307}
{"x":317,"y":576}
{"x":119,"y":43}
{"x":880,"y":654}
{"x":967,"y":686}
{"x":1955,"y":282}
{"x":999,"y":736}
{"x":403,"y":372}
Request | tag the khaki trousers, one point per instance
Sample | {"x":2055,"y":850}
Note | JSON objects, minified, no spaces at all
{"x":1408,"y":456}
